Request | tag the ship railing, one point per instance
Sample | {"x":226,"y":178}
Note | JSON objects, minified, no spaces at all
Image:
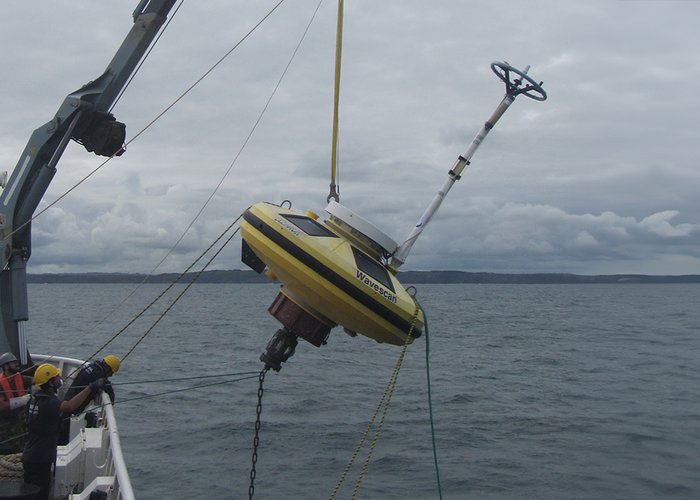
{"x":92,"y":460}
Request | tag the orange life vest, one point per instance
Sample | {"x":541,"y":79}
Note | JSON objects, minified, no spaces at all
{"x":7,"y":390}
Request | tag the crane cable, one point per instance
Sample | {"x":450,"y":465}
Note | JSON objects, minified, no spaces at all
{"x":166,"y":290}
{"x":233,"y":162}
{"x":148,"y":53}
{"x":240,"y":376}
{"x":334,"y":186}
{"x":179,"y":296}
{"x":153,"y":121}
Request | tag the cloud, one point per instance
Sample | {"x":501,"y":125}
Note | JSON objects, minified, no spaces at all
{"x":660,"y":225}
{"x":537,"y":237}
{"x":601,"y":177}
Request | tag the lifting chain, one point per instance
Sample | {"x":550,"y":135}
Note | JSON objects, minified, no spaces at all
{"x":256,"y":439}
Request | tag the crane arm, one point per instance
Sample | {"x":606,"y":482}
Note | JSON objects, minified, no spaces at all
{"x":84,"y":117}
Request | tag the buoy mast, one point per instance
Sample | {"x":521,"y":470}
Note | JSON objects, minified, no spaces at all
{"x":521,"y":83}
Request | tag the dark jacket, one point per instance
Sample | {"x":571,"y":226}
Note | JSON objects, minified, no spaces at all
{"x":89,"y":373}
{"x":44,"y":426}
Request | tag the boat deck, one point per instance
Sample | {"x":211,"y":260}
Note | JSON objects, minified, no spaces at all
{"x":92,"y":460}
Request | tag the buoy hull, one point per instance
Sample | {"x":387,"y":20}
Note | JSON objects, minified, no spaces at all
{"x":329,"y":277}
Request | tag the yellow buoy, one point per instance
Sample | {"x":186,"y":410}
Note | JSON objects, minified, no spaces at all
{"x":332,"y":273}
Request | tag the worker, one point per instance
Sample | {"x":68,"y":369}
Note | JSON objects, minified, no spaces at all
{"x":99,"y":369}
{"x":15,"y":392}
{"x":45,"y":412}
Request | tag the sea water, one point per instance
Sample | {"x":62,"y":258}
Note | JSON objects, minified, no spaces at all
{"x":538,"y":391}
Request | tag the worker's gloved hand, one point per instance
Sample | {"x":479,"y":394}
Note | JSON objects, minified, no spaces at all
{"x":19,"y":402}
{"x":97,"y":385}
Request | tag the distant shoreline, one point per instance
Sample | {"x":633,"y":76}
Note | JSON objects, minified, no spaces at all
{"x":406,"y":277}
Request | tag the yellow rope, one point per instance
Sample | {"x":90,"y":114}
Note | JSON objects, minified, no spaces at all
{"x":382,"y":406}
{"x":333,"y":194}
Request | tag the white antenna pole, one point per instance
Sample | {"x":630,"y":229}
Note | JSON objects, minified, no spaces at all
{"x":513,"y":89}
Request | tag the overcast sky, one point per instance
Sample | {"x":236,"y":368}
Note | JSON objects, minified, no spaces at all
{"x":601,"y":178}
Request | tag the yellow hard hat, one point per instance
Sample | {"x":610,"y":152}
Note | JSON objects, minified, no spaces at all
{"x":44,"y":373}
{"x":113,"y":362}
